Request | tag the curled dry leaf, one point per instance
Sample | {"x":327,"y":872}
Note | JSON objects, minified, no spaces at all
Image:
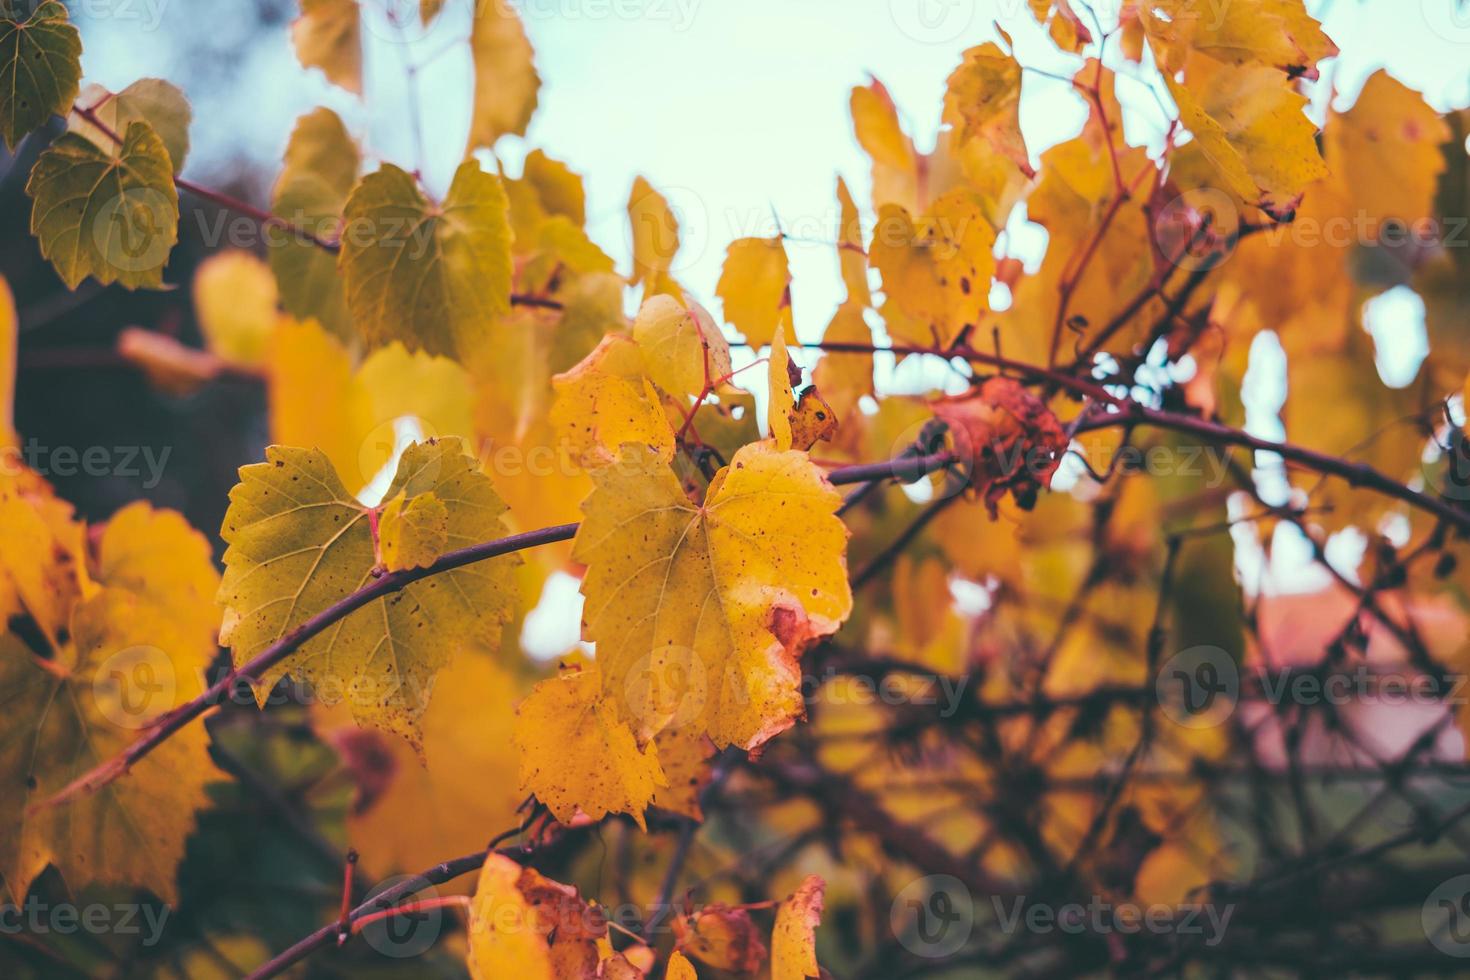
{"x":722,"y":937}
{"x":1008,"y":439}
{"x":794,"y":940}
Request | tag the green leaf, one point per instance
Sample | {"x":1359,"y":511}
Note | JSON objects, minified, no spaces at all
{"x":298,"y":542}
{"x":432,"y":276}
{"x":40,"y":69}
{"x":160,"y":104}
{"x":321,"y":165}
{"x":138,"y":646}
{"x":111,"y":216}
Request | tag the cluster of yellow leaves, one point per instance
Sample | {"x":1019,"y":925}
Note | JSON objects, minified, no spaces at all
{"x":104,"y":634}
{"x":523,"y":924}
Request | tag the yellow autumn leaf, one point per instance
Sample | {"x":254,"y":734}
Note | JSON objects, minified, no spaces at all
{"x":410,"y":811}
{"x":936,"y":270}
{"x":140,"y":634}
{"x":680,"y":968}
{"x":700,"y":612}
{"x":895,"y":162}
{"x":506,"y":83}
{"x":524,"y":925}
{"x":1276,"y":33}
{"x":844,"y":378}
{"x":299,"y":542}
{"x":1387,"y":151}
{"x":502,"y":940}
{"x":1250,"y":124}
{"x":682,"y":347}
{"x":315,"y":399}
{"x":985,"y":93}
{"x":781,"y":400}
{"x":327,"y":36}
{"x":655,"y":231}
{"x":434,"y":276}
{"x":577,"y":755}
{"x":684,"y":756}
{"x":235,"y":303}
{"x":754,"y":287}
{"x":852,"y":258}
{"x":794,"y":939}
{"x":605,"y":402}
{"x":9,"y":348}
{"x":413,"y":533}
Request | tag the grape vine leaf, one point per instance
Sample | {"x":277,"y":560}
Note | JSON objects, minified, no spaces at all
{"x":721,"y":937}
{"x":655,"y":230}
{"x":160,"y":104}
{"x":410,"y":811}
{"x":779,"y":405}
{"x":1277,"y":33}
{"x":235,"y":303}
{"x":40,"y":68}
{"x":298,"y":542}
{"x":936,"y":270}
{"x":138,"y":636}
{"x":605,"y":402}
{"x":985,"y":93}
{"x":578,"y":755}
{"x":684,"y":756}
{"x":753,"y":287}
{"x":895,"y":161}
{"x":524,"y":925}
{"x":700,"y":612}
{"x":113,"y":217}
{"x":327,"y":35}
{"x":680,"y":968}
{"x":852,"y":259}
{"x":434,"y":276}
{"x":320,"y":169}
{"x":413,"y":533}
{"x":794,"y":940}
{"x":506,"y":83}
{"x":843,"y":377}
{"x":682,"y":347}
{"x":1386,"y":151}
{"x":1251,"y":127}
